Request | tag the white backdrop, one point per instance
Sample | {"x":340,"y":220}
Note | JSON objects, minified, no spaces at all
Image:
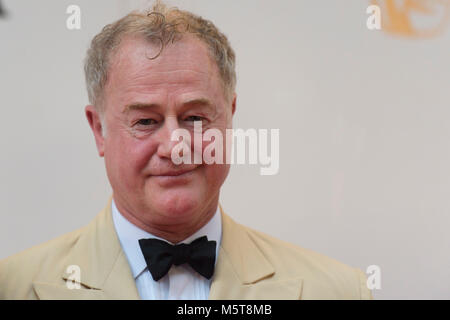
{"x":363,"y":117}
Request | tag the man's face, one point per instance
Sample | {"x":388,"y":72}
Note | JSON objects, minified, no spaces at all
{"x":145,"y":100}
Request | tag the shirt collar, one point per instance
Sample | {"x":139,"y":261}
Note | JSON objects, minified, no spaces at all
{"x":129,"y":234}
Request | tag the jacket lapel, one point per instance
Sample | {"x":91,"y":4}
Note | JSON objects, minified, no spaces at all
{"x":104,"y":269}
{"x":243,"y":272}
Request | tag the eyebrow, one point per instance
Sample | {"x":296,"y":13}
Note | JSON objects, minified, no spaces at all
{"x":200,"y":102}
{"x":194,"y":102}
{"x":139,"y":106}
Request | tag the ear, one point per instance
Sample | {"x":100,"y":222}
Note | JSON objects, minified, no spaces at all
{"x":93,"y":118}
{"x":233,"y":104}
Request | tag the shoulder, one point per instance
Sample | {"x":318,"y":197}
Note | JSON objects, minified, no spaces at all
{"x":322,"y":276}
{"x":44,"y":262}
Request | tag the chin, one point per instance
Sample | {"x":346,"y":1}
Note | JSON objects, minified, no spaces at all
{"x":178,"y":204}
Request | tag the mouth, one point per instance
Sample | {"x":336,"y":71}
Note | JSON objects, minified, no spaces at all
{"x":174,"y":173}
{"x":174,"y":177}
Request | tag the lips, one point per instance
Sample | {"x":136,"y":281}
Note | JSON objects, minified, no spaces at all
{"x":174,"y":173}
{"x":172,"y":178}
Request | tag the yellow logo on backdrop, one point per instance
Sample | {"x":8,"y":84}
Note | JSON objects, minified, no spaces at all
{"x":414,"y":18}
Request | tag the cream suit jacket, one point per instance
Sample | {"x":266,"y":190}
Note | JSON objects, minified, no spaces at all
{"x":250,"y":265}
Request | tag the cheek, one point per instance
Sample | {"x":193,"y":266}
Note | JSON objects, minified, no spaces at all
{"x":215,"y":175}
{"x":140,"y":153}
{"x":128,"y":156}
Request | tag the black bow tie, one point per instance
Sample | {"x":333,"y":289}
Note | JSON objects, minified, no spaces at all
{"x":200,"y":254}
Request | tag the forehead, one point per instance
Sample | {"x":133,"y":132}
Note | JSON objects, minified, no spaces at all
{"x":182,"y":67}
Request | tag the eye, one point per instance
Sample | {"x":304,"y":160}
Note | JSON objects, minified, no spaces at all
{"x":146,"y":122}
{"x":194,"y":118}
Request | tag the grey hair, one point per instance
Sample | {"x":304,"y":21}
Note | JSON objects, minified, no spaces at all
{"x":161,"y":26}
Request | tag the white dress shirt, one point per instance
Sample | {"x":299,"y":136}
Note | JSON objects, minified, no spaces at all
{"x":181,"y":282}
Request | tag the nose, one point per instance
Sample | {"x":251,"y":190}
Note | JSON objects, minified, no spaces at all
{"x":166,"y":144}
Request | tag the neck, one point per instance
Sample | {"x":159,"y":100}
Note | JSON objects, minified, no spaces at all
{"x":173,"y":232}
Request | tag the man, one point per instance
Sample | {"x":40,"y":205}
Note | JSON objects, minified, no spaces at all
{"x":163,"y":234}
